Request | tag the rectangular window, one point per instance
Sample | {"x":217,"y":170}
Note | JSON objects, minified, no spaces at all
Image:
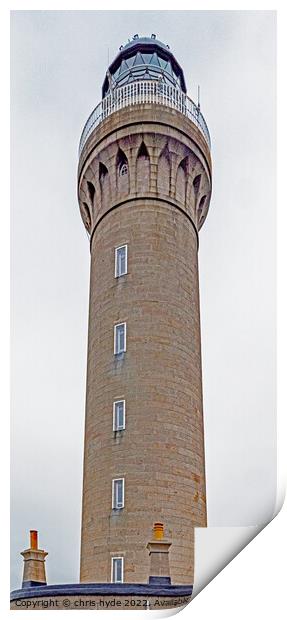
{"x":119,"y":415}
{"x":117,"y":570}
{"x":121,"y":261}
{"x":118,"y":493}
{"x":120,"y":338}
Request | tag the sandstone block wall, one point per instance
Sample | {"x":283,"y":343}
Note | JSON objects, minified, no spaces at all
{"x":156,"y":208}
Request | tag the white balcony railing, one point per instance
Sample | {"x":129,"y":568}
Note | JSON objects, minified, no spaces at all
{"x":144,"y":92}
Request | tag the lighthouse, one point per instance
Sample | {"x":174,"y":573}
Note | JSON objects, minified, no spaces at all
{"x":144,"y":186}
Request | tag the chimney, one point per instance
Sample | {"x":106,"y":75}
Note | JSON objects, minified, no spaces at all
{"x":159,"y":558}
{"x":34,"y":563}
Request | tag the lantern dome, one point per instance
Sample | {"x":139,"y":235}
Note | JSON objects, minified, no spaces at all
{"x":144,"y":58}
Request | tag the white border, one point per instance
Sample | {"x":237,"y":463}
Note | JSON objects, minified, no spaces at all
{"x":250,"y":579}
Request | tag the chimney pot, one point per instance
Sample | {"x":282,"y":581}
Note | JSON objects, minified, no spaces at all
{"x":158,"y":531}
{"x":33,"y":539}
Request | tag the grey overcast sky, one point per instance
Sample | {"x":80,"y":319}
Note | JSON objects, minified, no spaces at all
{"x":59,"y":59}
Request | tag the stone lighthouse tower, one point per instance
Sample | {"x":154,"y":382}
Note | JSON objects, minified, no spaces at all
{"x":144,"y":186}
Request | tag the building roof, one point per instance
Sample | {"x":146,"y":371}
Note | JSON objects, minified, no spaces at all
{"x":115,"y":589}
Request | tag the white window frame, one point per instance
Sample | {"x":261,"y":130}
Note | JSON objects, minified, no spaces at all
{"x":117,"y":557}
{"x":114,"y":506}
{"x":119,"y":400}
{"x":118,"y":275}
{"x":115,"y":338}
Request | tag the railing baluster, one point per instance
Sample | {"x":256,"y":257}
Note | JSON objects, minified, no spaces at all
{"x":147,"y":91}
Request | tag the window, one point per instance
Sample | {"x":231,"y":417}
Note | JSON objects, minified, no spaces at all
{"x":118,"y":493}
{"x":121,"y":261}
{"x":119,"y":415}
{"x":123,"y":170}
{"x":117,"y":570}
{"x":119,"y":338}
